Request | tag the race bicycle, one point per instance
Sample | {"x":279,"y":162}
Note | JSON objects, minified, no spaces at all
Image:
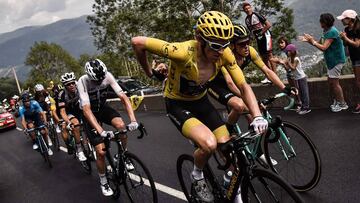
{"x":43,"y":147}
{"x":256,"y":183}
{"x":138,"y":182}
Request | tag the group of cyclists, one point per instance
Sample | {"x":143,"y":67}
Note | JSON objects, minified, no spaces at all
{"x":80,"y":101}
{"x":211,"y":63}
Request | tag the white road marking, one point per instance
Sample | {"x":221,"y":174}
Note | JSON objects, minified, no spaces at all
{"x":163,"y":188}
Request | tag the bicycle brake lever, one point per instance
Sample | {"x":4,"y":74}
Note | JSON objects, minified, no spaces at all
{"x":142,"y":130}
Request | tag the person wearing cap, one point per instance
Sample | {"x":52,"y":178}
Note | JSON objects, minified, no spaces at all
{"x":334,"y":55}
{"x":351,"y":38}
{"x":259,"y":26}
{"x":293,"y":63}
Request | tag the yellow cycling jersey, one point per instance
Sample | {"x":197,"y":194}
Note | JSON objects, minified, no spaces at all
{"x":252,"y":57}
{"x":52,"y":104}
{"x":183,"y":78}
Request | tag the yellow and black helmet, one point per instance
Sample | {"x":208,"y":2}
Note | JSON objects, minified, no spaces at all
{"x":241,"y":33}
{"x":216,"y":25}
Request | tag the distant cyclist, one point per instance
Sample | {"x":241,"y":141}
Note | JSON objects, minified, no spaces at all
{"x":32,"y":115}
{"x":260,"y":28}
{"x":92,"y":89}
{"x":68,"y":102}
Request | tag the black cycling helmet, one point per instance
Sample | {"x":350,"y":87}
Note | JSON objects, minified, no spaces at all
{"x":96,"y":69}
{"x":25,"y":96}
{"x":241,"y":33}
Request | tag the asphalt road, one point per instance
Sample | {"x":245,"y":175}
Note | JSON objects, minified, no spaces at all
{"x":25,"y":178}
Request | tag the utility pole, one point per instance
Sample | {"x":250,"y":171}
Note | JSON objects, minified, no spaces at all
{"x":16,"y":79}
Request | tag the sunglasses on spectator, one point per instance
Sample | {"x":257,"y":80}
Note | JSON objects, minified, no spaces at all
{"x":215,"y":46}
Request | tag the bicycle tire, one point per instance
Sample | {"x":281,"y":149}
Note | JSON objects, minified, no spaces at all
{"x":290,"y":169}
{"x":86,"y":165}
{"x":54,"y":137}
{"x":184,"y":167}
{"x":264,"y":186}
{"x":44,"y":152}
{"x":139,"y":178}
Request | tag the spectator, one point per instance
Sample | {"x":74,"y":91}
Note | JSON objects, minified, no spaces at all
{"x":334,"y":55}
{"x":351,"y":38}
{"x":294,"y":64}
{"x":259,"y":26}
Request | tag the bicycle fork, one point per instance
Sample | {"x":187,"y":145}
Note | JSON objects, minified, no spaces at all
{"x":290,"y":152}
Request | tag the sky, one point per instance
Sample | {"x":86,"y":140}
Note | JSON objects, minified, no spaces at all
{"x":15,"y":14}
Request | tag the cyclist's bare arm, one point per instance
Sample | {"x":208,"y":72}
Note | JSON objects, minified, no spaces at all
{"x":231,"y":85}
{"x":126,"y":103}
{"x":250,"y":100}
{"x":23,"y":122}
{"x":64,"y":115}
{"x":43,"y":115}
{"x":138,"y":44}
{"x":89,"y":116}
{"x":267,"y":26}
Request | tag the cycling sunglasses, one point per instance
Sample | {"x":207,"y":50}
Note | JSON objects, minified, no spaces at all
{"x":69,"y":84}
{"x":215,"y":46}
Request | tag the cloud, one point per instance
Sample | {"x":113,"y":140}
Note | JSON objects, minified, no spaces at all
{"x":18,"y":13}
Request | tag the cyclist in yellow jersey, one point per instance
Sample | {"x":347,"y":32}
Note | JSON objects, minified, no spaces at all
{"x":223,"y":88}
{"x":192,"y":65}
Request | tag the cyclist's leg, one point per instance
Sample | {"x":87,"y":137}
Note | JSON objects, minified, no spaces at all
{"x":112,"y":117}
{"x":237,"y":106}
{"x":98,"y":142}
{"x":30,"y":125}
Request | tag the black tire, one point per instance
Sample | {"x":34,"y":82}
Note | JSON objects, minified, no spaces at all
{"x":267,"y":187}
{"x":184,"y":167}
{"x":139,"y":184}
{"x":44,"y":152}
{"x":303,"y":169}
{"x":54,"y":137}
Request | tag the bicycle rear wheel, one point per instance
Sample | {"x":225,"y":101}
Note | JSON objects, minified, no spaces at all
{"x":54,"y":137}
{"x":298,"y":160}
{"x":139,"y":184}
{"x":266,"y":186}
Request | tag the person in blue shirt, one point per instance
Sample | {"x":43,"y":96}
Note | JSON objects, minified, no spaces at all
{"x":32,"y":116}
{"x":334,"y":55}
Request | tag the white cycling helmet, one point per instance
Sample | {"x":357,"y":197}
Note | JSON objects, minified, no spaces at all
{"x":96,"y":69}
{"x":39,"y":87}
{"x":68,"y":78}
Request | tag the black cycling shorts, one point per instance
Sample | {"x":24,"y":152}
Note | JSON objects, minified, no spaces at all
{"x":219,"y":90}
{"x":105,"y":115}
{"x":180,"y":111}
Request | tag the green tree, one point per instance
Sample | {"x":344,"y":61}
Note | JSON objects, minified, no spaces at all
{"x":8,"y":88}
{"x":49,"y":62}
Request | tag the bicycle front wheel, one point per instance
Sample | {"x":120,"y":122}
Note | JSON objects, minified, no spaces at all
{"x":298,"y":160}
{"x":266,"y":186}
{"x":139,"y":184}
{"x":44,"y":151}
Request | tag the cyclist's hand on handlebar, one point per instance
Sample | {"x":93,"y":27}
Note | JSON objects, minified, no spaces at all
{"x":259,"y":124}
{"x":133,"y":126}
{"x":105,"y":134}
{"x":290,"y":90}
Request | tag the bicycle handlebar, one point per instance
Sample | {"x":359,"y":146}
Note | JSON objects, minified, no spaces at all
{"x":141,"y":128}
{"x":37,"y":128}
{"x":242,"y":140}
{"x":270,"y":100}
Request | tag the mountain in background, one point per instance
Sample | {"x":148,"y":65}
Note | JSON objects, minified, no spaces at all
{"x":72,"y":34}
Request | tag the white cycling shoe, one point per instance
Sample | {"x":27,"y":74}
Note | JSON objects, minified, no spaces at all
{"x":50,"y":152}
{"x":129,"y":165}
{"x":35,"y":146}
{"x":81,"y":156}
{"x":106,"y":190}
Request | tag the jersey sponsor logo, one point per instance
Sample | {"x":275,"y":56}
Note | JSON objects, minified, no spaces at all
{"x":165,"y":50}
{"x":174,"y":48}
